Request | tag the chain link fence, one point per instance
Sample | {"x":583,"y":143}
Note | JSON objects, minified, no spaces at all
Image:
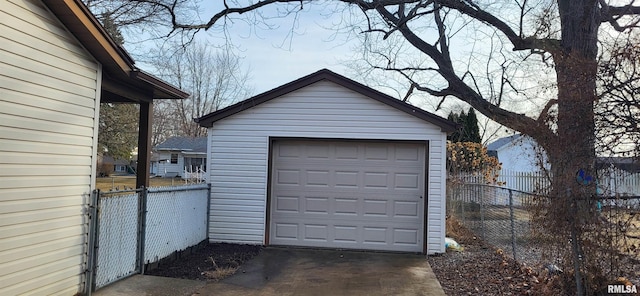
{"x":131,"y":228}
{"x":502,"y":217}
{"x":176,"y":219}
{"x":497,"y":215}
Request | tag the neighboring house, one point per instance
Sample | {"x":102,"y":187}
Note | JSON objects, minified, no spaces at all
{"x":57,"y":64}
{"x":520,"y":158}
{"x":179,"y":154}
{"x":517,"y":153}
{"x":324,"y":161}
{"x":619,"y":175}
{"x":108,"y":165}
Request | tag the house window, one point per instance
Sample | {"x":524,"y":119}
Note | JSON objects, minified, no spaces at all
{"x":174,"y":157}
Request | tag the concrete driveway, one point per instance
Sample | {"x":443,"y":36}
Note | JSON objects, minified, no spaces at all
{"x":280,"y":271}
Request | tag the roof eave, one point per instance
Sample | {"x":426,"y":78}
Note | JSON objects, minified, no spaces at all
{"x":162,"y":89}
{"x":324,"y":74}
{"x":84,"y":26}
{"x":115,"y":60}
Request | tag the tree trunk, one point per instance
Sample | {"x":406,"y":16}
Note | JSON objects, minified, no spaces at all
{"x":574,"y":147}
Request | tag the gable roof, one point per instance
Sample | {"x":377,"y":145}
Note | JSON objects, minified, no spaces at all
{"x":185,"y":144}
{"x":325,"y":74}
{"x":122,"y":80}
{"x":501,"y":142}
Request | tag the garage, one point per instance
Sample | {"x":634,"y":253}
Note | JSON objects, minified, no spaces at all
{"x":324,"y":161}
{"x":348,"y":194}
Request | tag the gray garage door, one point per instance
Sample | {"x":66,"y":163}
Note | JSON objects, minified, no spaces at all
{"x":348,"y":194}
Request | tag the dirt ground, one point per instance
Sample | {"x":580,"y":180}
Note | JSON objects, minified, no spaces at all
{"x":211,"y":262}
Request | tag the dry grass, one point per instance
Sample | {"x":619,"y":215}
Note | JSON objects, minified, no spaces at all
{"x":627,"y":222}
{"x":129,"y":182}
{"x":220,"y":273}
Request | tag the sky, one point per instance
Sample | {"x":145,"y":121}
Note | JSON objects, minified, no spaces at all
{"x":273,"y":56}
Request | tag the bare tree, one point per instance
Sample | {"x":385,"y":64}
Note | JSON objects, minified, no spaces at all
{"x":424,"y":41}
{"x":618,"y":107}
{"x":214,"y":78}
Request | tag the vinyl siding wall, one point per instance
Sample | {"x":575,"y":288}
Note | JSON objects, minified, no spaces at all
{"x":48,"y":114}
{"x":239,"y":152}
{"x":165,"y":165}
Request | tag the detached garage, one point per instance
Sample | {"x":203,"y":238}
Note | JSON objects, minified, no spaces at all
{"x":324,"y":161}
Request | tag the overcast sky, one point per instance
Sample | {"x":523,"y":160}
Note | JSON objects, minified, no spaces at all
{"x":274,"y":56}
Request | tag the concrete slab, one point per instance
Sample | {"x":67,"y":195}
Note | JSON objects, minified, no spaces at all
{"x":146,"y":285}
{"x":286,"y":271}
{"x":321,"y":272}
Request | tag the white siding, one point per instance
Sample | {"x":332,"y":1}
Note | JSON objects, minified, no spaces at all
{"x":239,"y":145}
{"x":48,"y":114}
{"x":520,"y":155}
{"x":165,"y":166}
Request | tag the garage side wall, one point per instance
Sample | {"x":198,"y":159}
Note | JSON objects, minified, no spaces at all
{"x":48,"y":114}
{"x":239,"y":153}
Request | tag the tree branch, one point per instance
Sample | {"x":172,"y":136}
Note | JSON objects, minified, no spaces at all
{"x":519,"y":43}
{"x":612,"y":14}
{"x":459,"y":88}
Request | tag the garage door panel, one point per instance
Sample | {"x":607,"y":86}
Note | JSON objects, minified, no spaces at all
{"x":357,"y":195}
{"x":407,"y":154}
{"x":406,"y":209}
{"x":346,"y":152}
{"x":316,"y":232}
{"x":375,"y":208}
{"x":347,"y":179}
{"x":288,"y":151}
{"x":319,"y":178}
{"x":405,"y":236}
{"x":346,"y":206}
{"x":345,"y":234}
{"x":287,"y":177}
{"x":376,"y":153}
{"x":377,"y":180}
{"x":316,"y":205}
{"x":286,"y":231}
{"x":289,"y":204}
{"x":410,"y":181}
{"x":375,"y":235}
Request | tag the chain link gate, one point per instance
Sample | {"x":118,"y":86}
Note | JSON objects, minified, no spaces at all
{"x":117,"y":242}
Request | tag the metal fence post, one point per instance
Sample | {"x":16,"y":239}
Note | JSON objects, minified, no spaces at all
{"x":482,"y":212}
{"x":142,"y":225}
{"x":208,"y":209}
{"x":513,"y":225}
{"x":92,"y":247}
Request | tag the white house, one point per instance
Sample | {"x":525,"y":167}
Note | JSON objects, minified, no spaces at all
{"x":517,"y":153}
{"x":176,"y":155}
{"x":56,"y":65}
{"x":324,"y":161}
